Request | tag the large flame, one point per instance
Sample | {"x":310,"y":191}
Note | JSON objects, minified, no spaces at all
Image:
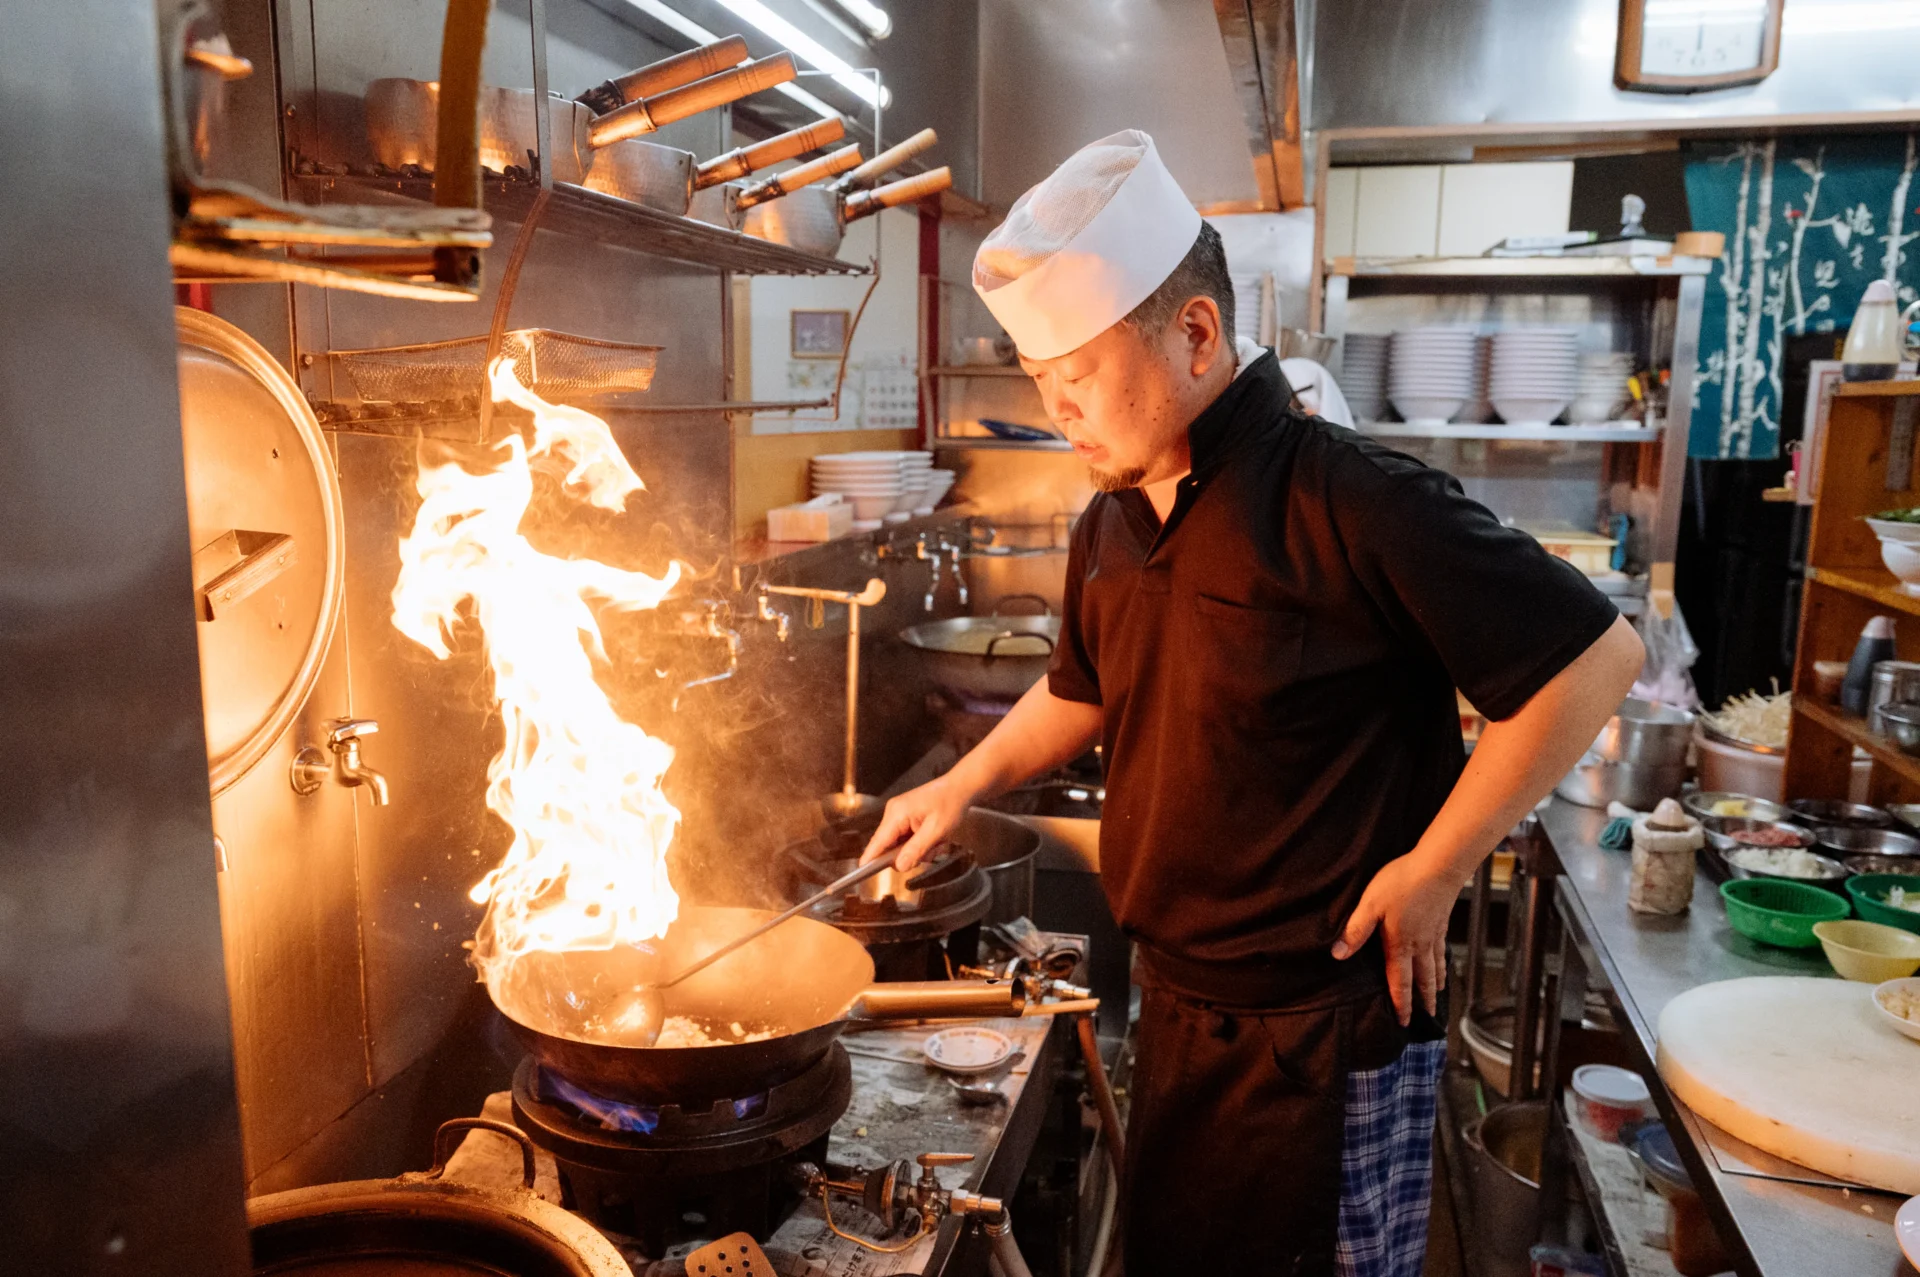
{"x":578,"y":785}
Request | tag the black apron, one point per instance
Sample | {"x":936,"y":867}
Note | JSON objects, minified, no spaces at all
{"x":1238,"y":1116}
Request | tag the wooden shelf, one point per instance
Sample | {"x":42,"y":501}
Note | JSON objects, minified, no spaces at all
{"x":1520,"y":267}
{"x":1877,"y":584}
{"x":1877,"y":389}
{"x":1854,"y":731}
{"x":577,"y":211}
{"x":1600,"y":432}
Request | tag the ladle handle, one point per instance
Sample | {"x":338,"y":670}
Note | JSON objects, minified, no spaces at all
{"x":852,"y":878}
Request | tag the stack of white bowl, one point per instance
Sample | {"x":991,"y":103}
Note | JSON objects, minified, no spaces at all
{"x":1431,"y":377}
{"x":938,"y":483}
{"x":1363,"y":375}
{"x":884,"y":486}
{"x":1479,"y":406}
{"x":1533,"y":375}
{"x":1602,"y":391}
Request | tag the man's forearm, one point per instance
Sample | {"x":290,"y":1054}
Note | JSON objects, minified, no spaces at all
{"x":1518,"y":760}
{"x":1039,"y":733}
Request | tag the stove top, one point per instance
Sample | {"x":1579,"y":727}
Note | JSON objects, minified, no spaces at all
{"x":663,"y":1174}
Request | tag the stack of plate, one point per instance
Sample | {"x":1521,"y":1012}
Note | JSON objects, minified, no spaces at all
{"x":1602,"y":394}
{"x":881,"y":485}
{"x":1479,"y":407}
{"x":1363,"y":375}
{"x":1533,"y":373}
{"x":1431,"y":376}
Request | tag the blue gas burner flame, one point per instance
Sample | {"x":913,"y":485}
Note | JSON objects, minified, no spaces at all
{"x":611,"y":1114}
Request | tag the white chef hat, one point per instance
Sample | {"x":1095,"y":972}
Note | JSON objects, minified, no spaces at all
{"x":1079,"y":251}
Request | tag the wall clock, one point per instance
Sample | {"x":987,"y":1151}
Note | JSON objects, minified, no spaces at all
{"x":1687,"y":46}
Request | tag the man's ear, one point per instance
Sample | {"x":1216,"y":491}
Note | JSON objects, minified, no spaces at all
{"x":1200,"y":324}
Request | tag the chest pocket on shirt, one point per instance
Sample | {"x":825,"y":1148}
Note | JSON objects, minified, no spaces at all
{"x":1243,"y":660}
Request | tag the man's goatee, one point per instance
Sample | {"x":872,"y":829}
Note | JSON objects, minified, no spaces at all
{"x":1117,"y":480}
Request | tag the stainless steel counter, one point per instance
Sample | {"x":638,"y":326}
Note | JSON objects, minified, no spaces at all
{"x":1797,"y":1229}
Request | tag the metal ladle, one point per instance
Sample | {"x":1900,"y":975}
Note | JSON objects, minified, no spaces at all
{"x":645,"y":1008}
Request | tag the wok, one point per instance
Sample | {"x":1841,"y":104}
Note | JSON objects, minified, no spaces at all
{"x":986,"y":657}
{"x":804,"y":977}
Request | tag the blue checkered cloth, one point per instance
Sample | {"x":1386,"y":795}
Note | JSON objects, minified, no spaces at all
{"x":1386,"y":1165}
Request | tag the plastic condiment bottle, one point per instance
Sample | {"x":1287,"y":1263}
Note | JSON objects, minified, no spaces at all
{"x":1875,"y":645}
{"x":1875,"y":343}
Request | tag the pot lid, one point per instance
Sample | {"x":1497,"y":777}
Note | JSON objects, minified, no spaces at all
{"x":264,"y":516}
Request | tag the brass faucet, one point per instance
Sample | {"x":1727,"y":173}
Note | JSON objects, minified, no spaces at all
{"x":311,"y":769}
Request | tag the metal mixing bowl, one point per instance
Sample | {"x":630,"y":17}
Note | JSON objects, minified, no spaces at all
{"x":1867,"y":842}
{"x":1881,"y":864}
{"x":1902,"y":720}
{"x":1832,"y":872}
{"x":1700,"y":804}
{"x":1824,"y":813}
{"x":1720,"y":830}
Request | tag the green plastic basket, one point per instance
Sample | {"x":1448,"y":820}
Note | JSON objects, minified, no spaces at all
{"x":1869,"y":892}
{"x":1779,"y":913}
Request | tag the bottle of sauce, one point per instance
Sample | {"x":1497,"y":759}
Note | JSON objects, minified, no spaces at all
{"x":1875,"y":645}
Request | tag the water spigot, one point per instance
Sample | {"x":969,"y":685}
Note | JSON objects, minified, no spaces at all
{"x":311,"y":769}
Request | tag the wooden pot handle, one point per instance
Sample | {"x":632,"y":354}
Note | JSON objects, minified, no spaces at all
{"x":888,"y":160}
{"x":747,"y":159}
{"x":906,"y":191}
{"x":648,"y":114}
{"x":802,"y":175}
{"x":668,"y":73}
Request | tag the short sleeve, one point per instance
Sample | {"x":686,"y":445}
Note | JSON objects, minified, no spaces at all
{"x":1071,"y":675}
{"x":1503,"y":616}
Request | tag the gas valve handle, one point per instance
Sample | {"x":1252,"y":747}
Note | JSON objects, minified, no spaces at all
{"x":930,"y":1160}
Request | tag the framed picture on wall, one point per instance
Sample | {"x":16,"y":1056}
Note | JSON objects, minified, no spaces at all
{"x":820,"y":334}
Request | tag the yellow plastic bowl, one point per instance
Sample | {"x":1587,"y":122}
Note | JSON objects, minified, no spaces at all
{"x":1870,"y":952}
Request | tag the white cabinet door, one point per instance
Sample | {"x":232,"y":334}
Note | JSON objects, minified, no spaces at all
{"x":1398,"y":211}
{"x":1482,"y":204}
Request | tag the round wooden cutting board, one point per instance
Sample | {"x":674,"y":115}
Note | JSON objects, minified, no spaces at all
{"x":1802,"y":1068}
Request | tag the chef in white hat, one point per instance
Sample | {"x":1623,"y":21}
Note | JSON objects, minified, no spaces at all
{"x":1267,"y":618}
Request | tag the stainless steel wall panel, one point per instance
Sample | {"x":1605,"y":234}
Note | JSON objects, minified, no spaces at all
{"x":118,"y":1129}
{"x":1429,"y":64}
{"x":290,"y":914}
{"x":1056,"y":76}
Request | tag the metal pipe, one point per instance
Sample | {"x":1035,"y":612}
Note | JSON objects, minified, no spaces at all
{"x":1103,"y":1098}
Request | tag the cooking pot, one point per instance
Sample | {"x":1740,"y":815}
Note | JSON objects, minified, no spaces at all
{"x":425,"y":1223}
{"x":804,"y":980}
{"x":667,"y":178}
{"x":815,"y":219}
{"x":995,"y":658}
{"x":401,"y":119}
{"x":1639,"y":758}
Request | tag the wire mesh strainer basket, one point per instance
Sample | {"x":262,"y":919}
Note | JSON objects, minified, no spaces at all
{"x":556,"y":365}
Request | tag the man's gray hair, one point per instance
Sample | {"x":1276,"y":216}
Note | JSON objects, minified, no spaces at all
{"x":1201,"y":273}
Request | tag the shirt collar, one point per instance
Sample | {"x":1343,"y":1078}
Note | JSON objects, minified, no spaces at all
{"x":1257,"y":393}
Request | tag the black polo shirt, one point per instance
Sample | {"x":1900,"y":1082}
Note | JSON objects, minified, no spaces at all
{"x":1276,"y":669}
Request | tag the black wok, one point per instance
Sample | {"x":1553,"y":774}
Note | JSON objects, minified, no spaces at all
{"x":804,"y":978}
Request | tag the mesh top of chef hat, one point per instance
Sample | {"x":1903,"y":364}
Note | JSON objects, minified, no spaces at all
{"x":1045,"y":219}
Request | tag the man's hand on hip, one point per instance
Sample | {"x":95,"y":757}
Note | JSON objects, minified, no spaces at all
{"x":1410,"y":903}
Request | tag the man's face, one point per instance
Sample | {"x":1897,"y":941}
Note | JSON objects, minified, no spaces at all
{"x":1125,"y":399}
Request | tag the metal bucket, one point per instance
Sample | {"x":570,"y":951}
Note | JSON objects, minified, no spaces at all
{"x":1639,"y":758}
{"x":1504,"y":1149}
